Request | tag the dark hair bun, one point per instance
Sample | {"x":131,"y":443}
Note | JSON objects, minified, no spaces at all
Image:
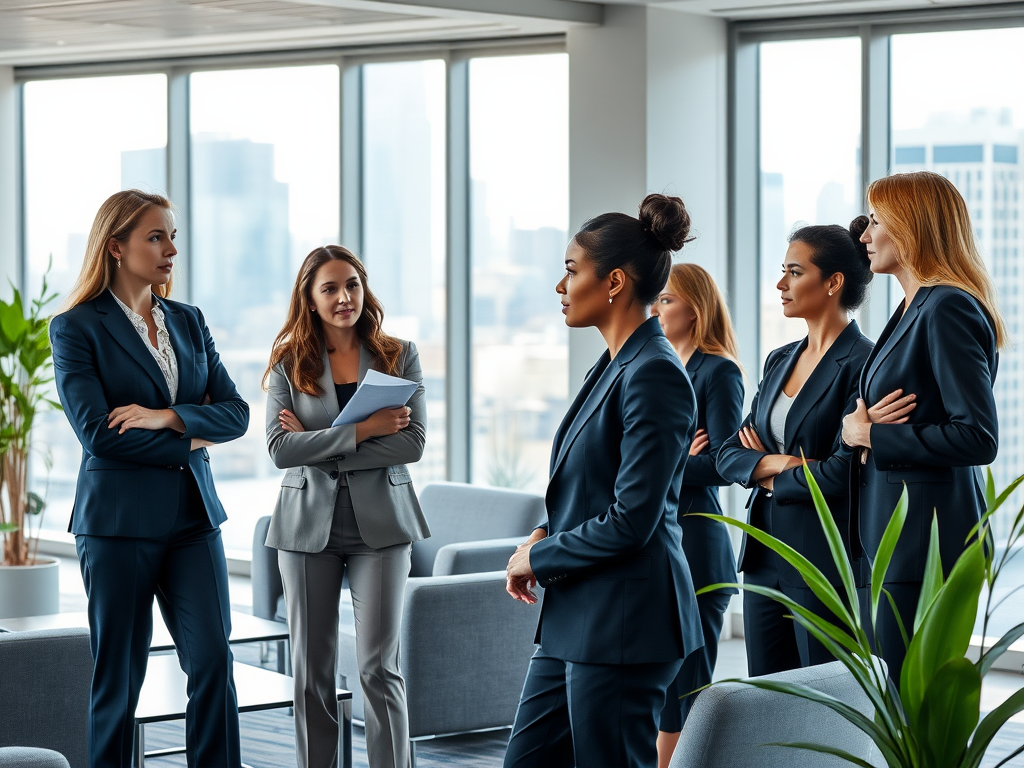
{"x":857,"y":228}
{"x":667,"y":219}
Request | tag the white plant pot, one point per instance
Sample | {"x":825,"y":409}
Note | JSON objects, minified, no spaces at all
{"x":30,"y":590}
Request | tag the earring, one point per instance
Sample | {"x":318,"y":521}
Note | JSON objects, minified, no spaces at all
{"x":830,"y":293}
{"x":609,"y":299}
{"x":313,"y":310}
{"x":118,"y":263}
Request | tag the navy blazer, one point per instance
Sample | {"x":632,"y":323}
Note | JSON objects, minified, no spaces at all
{"x":618,"y":589}
{"x":128,"y":483}
{"x":718,"y":386}
{"x":943,"y":349}
{"x":814,"y":426}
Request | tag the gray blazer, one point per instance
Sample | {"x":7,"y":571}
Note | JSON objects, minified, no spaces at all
{"x":323,"y":458}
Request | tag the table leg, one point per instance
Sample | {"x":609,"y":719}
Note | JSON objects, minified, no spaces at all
{"x":346,"y":734}
{"x":139,"y":755}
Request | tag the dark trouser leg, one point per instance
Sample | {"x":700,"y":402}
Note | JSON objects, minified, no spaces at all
{"x":614,"y":711}
{"x":699,"y":667}
{"x":811,"y":651}
{"x":541,"y":735}
{"x":193,"y":596}
{"x":120,"y":579}
{"x":886,"y":639}
{"x":768,"y":635}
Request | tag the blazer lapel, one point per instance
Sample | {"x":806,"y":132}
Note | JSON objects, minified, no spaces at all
{"x":772,"y":388}
{"x":124,"y":333}
{"x":181,"y":342}
{"x":591,"y":403}
{"x":896,"y":330}
{"x":819,"y":382}
{"x":329,"y":399}
{"x":581,"y":397}
{"x":693,"y":364}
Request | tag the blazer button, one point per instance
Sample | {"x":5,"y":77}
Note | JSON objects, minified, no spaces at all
{"x":169,"y":466}
{"x":334,"y":474}
{"x":342,"y":457}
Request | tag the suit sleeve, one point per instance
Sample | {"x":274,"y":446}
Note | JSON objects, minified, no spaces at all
{"x":723,"y":404}
{"x":296,"y":449}
{"x":832,"y":474}
{"x":226,"y":416}
{"x":81,"y":392}
{"x":735,"y":463}
{"x":959,"y":340}
{"x":655,"y":435}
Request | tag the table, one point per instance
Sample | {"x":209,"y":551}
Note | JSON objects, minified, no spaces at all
{"x":244,"y":627}
{"x":164,"y":698}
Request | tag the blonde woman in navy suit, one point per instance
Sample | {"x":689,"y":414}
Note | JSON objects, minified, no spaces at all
{"x":940,"y":348}
{"x":619,"y":611}
{"x":807,"y":388}
{"x":695,"y":319}
{"x":144,"y":389}
{"x":346,"y":506}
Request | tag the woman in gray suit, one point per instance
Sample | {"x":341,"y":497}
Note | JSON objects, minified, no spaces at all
{"x":346,"y":502}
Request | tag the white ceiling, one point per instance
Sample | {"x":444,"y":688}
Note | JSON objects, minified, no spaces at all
{"x":57,"y":31}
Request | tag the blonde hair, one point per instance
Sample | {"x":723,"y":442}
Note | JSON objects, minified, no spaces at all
{"x":930,"y":227}
{"x":712,"y":332}
{"x":116,"y":218}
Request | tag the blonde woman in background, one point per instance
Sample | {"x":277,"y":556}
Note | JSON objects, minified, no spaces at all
{"x":694,"y":317}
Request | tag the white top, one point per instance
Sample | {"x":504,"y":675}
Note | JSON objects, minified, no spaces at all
{"x":777,"y":419}
{"x":163,"y":353}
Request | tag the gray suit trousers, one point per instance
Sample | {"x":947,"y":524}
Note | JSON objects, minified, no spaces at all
{"x":312,"y":590}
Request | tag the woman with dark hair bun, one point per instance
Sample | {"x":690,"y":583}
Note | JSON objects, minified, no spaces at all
{"x":807,"y":388}
{"x":619,"y":611}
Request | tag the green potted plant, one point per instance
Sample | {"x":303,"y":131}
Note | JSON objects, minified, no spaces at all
{"x":932,"y":719}
{"x":28,"y":584}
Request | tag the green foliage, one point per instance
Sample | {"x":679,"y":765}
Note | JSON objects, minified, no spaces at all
{"x":933,"y":719}
{"x":25,"y":373}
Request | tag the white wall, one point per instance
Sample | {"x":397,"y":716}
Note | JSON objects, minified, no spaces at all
{"x":647,"y":113}
{"x":9,"y":221}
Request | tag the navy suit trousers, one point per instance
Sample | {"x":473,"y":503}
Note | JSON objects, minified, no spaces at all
{"x":589,"y":715}
{"x":186,"y":572}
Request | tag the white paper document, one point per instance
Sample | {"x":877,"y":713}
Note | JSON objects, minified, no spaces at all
{"x":376,"y":391}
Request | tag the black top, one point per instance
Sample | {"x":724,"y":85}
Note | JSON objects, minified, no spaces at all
{"x":345,"y":392}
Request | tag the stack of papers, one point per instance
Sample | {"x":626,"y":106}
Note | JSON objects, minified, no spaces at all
{"x":376,"y":391}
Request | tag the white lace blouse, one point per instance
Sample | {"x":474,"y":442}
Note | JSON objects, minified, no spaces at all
{"x":163,"y":353}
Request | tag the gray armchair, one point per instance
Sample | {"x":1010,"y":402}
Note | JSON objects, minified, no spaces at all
{"x":45,"y":677}
{"x":30,"y":757}
{"x":465,"y":643}
{"x":710,"y":738}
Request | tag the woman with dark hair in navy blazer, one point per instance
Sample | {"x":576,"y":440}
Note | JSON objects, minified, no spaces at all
{"x":619,"y":611}
{"x":145,"y":391}
{"x":695,"y":320}
{"x":940,"y":347}
{"x":807,"y":388}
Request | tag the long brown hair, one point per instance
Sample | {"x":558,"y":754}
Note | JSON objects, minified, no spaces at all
{"x":712,"y":332}
{"x":116,"y":218}
{"x":300,"y":344}
{"x":930,"y":227}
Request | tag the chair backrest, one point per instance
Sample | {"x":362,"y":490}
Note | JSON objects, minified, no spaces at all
{"x":266,"y":576}
{"x":711,"y":738}
{"x":45,"y":676}
{"x":466,"y":646}
{"x":460,"y":512}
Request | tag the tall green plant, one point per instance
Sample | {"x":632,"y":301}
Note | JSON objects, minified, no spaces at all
{"x":932,"y":719}
{"x":25,"y":367}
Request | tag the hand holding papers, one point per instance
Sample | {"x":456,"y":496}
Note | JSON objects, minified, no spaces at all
{"x":377,"y":391}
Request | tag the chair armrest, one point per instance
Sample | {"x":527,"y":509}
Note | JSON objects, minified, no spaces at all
{"x":475,"y":556}
{"x":266,"y":576}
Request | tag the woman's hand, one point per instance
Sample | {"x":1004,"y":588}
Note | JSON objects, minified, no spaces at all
{"x":750,"y":440}
{"x":519,"y":577}
{"x":892,"y":409}
{"x":289,"y":421}
{"x":386,"y":421}
{"x":127,"y":417}
{"x":857,"y":427}
{"x":700,"y":442}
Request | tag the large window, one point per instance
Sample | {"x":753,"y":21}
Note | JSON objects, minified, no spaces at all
{"x":82,"y":143}
{"x":404,"y":223}
{"x":272,"y":168}
{"x":265,"y":192}
{"x":810,"y":157}
{"x":519,"y":172}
